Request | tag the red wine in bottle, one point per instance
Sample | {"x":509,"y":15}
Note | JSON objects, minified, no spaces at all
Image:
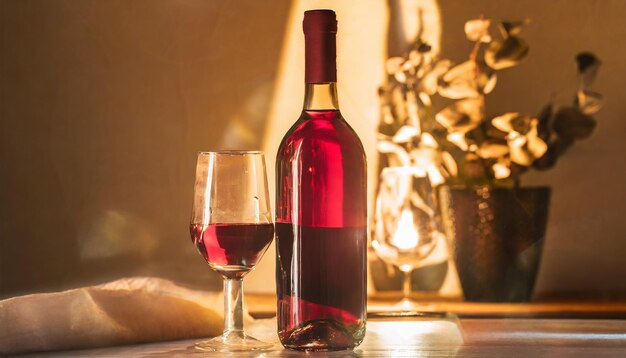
{"x":321,"y":211}
{"x":232,"y":249}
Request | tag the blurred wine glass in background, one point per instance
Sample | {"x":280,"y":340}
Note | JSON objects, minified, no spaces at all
{"x":405,"y":232}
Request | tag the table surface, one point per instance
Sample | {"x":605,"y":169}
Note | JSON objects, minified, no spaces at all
{"x":264,"y":306}
{"x":426,"y":337}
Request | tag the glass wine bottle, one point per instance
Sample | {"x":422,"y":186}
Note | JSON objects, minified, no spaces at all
{"x":321,"y":210}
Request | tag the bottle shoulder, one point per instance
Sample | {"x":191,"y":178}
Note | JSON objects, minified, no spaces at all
{"x":317,"y":127}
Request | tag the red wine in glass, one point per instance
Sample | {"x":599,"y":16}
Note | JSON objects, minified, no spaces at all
{"x":232,"y":249}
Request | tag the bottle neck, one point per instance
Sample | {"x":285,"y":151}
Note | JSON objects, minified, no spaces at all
{"x":321,"y":97}
{"x":320,"y":60}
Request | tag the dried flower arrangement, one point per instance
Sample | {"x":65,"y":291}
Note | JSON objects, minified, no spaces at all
{"x":459,"y":145}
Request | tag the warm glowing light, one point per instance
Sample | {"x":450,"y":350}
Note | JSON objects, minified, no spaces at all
{"x":397,"y":333}
{"x":405,"y":237}
{"x":362,"y":40}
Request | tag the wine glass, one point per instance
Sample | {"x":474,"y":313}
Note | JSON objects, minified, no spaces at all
{"x":231,"y":226}
{"x":405,"y":227}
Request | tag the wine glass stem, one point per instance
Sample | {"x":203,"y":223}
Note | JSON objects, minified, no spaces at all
{"x":406,"y":285}
{"x":233,"y":305}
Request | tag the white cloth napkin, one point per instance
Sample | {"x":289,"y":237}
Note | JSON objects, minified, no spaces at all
{"x":125,"y":311}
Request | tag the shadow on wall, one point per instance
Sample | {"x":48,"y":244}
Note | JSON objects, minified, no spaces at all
{"x":104,"y":106}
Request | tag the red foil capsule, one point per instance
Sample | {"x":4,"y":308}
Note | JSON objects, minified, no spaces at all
{"x":320,"y":31}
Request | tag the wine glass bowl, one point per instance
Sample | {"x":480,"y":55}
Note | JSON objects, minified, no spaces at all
{"x":231,"y":226}
{"x":405,"y":230}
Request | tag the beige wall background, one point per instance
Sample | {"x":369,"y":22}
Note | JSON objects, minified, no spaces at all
{"x":103,"y":105}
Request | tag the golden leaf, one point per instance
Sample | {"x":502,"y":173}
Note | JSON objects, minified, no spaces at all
{"x":461,"y":116}
{"x":506,"y":53}
{"x":405,"y":134}
{"x":478,"y":30}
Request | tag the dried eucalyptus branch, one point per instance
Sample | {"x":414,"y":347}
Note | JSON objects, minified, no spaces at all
{"x":459,"y":145}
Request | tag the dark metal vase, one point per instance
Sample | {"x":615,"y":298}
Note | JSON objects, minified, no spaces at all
{"x":496,"y":237}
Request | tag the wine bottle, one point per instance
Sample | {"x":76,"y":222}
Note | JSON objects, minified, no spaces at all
{"x":321,"y":210}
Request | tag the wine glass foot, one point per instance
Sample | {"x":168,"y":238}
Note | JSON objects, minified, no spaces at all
{"x":406,"y":304}
{"x":233,"y":342}
{"x":410,"y":308}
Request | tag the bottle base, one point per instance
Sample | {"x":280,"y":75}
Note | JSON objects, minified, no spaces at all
{"x":323,"y":335}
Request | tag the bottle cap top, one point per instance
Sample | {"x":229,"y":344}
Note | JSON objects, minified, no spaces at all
{"x":320,"y":21}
